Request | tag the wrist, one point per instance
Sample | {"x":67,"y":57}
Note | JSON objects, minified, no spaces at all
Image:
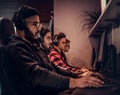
{"x":72,"y":83}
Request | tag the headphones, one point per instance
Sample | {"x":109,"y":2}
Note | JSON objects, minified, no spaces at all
{"x":21,"y":14}
{"x":42,"y":34}
{"x":55,"y":40}
{"x":18,"y":19}
{"x":57,"y":37}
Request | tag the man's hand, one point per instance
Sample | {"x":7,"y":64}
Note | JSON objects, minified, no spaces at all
{"x":86,"y":81}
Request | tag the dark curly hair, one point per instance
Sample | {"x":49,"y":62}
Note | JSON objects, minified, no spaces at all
{"x":23,"y":12}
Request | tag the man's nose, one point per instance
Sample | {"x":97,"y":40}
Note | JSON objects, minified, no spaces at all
{"x":51,"y":41}
{"x":39,"y":27}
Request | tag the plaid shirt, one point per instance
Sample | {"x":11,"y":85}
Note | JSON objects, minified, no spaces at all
{"x":59,"y":60}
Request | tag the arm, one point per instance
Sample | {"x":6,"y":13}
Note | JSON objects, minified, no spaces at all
{"x":26,"y":65}
{"x":61,"y":66}
{"x":86,"y":81}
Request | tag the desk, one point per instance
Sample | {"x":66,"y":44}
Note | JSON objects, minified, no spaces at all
{"x":97,"y":91}
{"x":111,"y":90}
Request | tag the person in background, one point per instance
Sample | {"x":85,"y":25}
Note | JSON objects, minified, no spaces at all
{"x":45,"y":44}
{"x":67,"y":47}
{"x":66,"y":50}
{"x":58,"y":58}
{"x":45,"y":40}
{"x":28,"y":73}
{"x":83,"y":69}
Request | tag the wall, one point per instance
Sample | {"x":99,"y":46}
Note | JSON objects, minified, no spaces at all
{"x":116,"y":43}
{"x":8,"y":7}
{"x":116,"y":38}
{"x":66,"y":13}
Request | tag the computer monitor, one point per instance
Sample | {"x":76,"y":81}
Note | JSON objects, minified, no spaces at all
{"x":103,"y":5}
{"x":107,"y":55}
{"x":99,"y":54}
{"x":102,"y":51}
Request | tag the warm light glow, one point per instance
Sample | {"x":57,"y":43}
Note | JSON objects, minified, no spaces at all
{"x":103,"y":5}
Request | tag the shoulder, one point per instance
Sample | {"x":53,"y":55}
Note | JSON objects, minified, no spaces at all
{"x":16,"y":44}
{"x":53,"y":51}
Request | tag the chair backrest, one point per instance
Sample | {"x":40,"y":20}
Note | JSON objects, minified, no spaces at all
{"x":6,"y":29}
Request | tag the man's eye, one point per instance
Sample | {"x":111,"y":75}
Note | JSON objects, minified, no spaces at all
{"x":49,"y":38}
{"x":35,"y":24}
{"x":64,"y":42}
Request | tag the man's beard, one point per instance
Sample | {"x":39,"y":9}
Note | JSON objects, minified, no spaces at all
{"x":31,"y":38}
{"x":29,"y":35}
{"x":45,"y":48}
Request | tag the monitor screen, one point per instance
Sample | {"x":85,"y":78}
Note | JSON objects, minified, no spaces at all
{"x":103,"y":5}
{"x":102,"y":55}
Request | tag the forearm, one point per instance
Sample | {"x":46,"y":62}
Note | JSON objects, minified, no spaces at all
{"x":48,"y":79}
{"x":66,"y":72}
{"x":30,"y":70}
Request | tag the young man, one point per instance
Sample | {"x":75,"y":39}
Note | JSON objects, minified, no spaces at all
{"x":28,"y":73}
{"x":66,"y":50}
{"x":67,"y":46}
{"x":45,"y":40}
{"x":58,"y":57}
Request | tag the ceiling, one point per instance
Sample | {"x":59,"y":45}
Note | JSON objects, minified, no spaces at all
{"x":8,"y":7}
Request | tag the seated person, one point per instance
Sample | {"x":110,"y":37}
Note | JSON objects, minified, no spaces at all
{"x":58,"y":58}
{"x":66,"y":50}
{"x":28,"y":73}
{"x":45,"y":40}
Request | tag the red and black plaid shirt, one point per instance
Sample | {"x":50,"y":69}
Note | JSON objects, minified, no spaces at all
{"x":59,"y":60}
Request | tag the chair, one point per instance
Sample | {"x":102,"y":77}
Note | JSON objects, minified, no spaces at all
{"x":6,"y":29}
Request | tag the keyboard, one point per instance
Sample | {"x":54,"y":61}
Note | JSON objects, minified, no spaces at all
{"x":111,"y":81}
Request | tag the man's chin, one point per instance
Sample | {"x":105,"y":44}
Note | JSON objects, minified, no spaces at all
{"x":47,"y":47}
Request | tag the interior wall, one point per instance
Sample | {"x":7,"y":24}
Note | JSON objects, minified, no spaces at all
{"x":66,"y":19}
{"x":8,"y":7}
{"x":116,"y":38}
{"x":116,"y":43}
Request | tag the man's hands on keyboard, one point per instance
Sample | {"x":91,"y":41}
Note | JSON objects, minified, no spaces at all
{"x":87,"y":72}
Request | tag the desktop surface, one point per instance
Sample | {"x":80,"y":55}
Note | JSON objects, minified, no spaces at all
{"x":110,"y":90}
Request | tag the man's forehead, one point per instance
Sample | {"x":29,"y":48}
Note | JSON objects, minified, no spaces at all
{"x":63,"y":41}
{"x":48,"y":33}
{"x":33,"y":18}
